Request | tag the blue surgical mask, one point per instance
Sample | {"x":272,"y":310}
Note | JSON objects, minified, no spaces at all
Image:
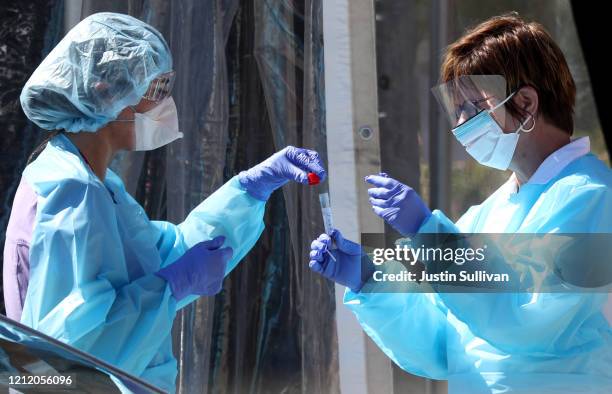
{"x":486,"y":142}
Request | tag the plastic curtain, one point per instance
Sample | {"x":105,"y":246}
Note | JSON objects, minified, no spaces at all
{"x":274,"y":325}
{"x":28,"y":30}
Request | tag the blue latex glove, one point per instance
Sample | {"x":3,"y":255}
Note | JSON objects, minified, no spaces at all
{"x":288,"y":164}
{"x":347,"y":268}
{"x":199,"y":271}
{"x":398,"y":204}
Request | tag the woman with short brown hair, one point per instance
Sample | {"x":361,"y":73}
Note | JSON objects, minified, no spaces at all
{"x":509,"y":95}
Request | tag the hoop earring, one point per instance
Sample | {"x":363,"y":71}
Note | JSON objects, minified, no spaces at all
{"x":529,"y":130}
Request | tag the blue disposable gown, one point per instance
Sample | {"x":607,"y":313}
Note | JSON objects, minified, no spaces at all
{"x":507,"y":342}
{"x":93,"y":256}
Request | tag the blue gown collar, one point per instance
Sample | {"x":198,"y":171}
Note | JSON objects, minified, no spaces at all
{"x":63,"y":142}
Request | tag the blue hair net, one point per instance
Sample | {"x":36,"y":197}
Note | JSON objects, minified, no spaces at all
{"x":104,"y":64}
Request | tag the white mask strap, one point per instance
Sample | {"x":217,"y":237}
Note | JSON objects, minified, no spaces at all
{"x":522,"y":126}
{"x":502,"y":103}
{"x":127,"y":120}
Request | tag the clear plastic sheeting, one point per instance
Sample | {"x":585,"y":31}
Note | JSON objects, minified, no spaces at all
{"x":28,"y":31}
{"x":289,"y":54}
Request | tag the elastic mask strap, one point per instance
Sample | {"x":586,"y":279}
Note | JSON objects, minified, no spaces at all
{"x":522,"y":126}
{"x":127,"y":120}
{"x":502,"y":103}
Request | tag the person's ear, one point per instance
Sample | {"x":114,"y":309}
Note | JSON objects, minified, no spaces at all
{"x":527,"y":100}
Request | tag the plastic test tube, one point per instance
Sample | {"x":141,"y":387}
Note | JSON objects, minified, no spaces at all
{"x":327,"y":217}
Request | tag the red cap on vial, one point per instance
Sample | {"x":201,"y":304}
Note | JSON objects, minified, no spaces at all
{"x":313,"y":179}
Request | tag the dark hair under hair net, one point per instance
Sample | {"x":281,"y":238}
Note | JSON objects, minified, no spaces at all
{"x":104,"y":64}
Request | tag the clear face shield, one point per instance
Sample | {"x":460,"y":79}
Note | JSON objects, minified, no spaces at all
{"x":161,"y":87}
{"x":467,"y":96}
{"x":474,"y":105}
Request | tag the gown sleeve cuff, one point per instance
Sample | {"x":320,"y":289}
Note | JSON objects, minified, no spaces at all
{"x":437,"y":223}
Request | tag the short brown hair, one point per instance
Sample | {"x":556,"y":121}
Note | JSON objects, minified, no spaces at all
{"x":526,"y":55}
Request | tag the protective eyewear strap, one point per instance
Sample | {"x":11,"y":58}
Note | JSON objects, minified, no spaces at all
{"x":160,"y":87}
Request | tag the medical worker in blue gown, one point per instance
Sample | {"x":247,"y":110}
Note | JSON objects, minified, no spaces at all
{"x":509,"y":95}
{"x":99,"y":274}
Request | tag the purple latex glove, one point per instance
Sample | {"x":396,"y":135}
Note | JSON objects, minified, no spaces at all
{"x":398,"y":204}
{"x":288,"y":164}
{"x":352,"y":267}
{"x":200,"y":271}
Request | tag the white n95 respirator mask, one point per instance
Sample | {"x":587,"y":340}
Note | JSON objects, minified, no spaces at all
{"x":156,"y":127}
{"x":486,"y":142}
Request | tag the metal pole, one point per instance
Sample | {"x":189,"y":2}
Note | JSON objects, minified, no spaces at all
{"x":354,"y":152}
{"x":439,"y":135}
